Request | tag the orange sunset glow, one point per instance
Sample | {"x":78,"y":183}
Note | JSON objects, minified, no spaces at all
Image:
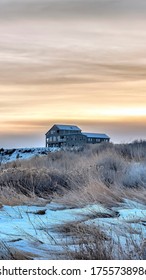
{"x":72,"y":62}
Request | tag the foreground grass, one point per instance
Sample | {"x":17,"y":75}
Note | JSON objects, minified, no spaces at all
{"x":103,"y":173}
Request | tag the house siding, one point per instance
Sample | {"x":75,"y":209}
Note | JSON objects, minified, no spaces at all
{"x":70,"y":136}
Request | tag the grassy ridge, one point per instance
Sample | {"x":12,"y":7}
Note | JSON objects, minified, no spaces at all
{"x":104,"y":172}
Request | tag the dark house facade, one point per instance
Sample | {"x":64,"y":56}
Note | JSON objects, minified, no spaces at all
{"x":70,"y":136}
{"x":94,"y":138}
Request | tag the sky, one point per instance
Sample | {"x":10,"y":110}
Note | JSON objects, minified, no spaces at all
{"x":80,"y":62}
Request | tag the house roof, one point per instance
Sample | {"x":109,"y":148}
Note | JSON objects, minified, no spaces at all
{"x":96,"y":135}
{"x":68,"y":127}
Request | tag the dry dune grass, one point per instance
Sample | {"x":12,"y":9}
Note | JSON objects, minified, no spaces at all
{"x":24,"y":183}
{"x":97,"y":192}
{"x":93,"y":192}
{"x":8,"y":196}
{"x":97,"y":173}
{"x":90,"y":242}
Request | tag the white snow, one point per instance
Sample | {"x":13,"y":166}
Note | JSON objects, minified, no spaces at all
{"x":9,"y":155}
{"x":22,"y":228}
{"x":25,"y":153}
{"x":34,"y":231}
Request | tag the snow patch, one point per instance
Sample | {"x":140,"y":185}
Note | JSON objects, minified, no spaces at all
{"x":23,"y":229}
{"x":25,"y":153}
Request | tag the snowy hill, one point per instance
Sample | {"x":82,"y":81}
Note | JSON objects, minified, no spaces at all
{"x":8,"y":155}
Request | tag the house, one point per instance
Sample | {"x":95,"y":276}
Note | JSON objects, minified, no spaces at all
{"x":64,"y":135}
{"x":70,"y":135}
{"x":94,"y":138}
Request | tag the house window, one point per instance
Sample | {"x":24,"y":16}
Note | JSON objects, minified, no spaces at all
{"x":52,"y":131}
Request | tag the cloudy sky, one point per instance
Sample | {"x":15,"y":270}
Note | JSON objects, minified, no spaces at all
{"x":77,"y":62}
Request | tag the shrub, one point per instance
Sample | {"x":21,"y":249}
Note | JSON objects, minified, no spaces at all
{"x":135,"y":176}
{"x":27,"y":181}
{"x":110,"y":168}
{"x":132,"y":151}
